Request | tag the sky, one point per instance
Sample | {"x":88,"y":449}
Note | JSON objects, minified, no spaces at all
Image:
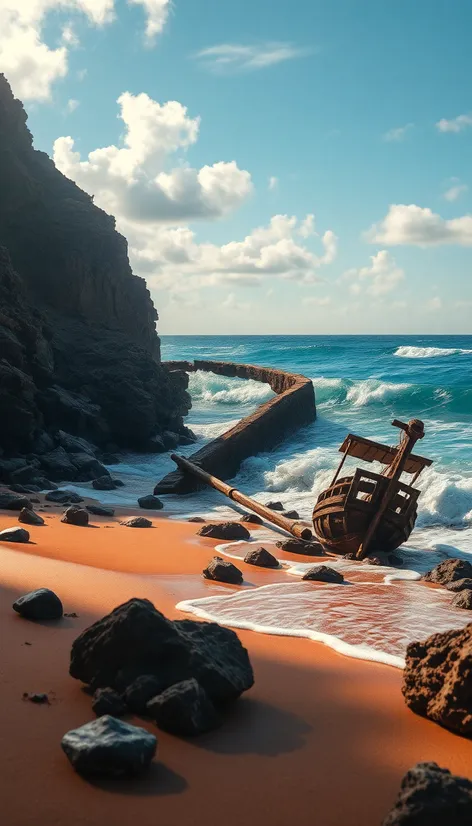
{"x":277,"y":167}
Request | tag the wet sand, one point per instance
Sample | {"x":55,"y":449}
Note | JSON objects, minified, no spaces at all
{"x":319,"y":739}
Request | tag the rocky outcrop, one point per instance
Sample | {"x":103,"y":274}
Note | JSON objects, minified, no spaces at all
{"x":139,"y":653}
{"x":432,"y":796}
{"x":79,"y":351}
{"x":293,"y":407}
{"x":451,"y":570}
{"x":438,"y":679}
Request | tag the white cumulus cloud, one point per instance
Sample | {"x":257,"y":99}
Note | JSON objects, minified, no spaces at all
{"x":380,"y":277}
{"x":132,"y":180}
{"x":457,"y":124}
{"x":420,"y":226}
{"x":237,"y":57}
{"x":157,"y":12}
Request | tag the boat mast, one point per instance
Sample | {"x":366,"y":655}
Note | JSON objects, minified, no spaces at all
{"x":413,"y":431}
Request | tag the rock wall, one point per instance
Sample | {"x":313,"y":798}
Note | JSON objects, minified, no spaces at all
{"x":79,"y":346}
{"x":293,"y":407}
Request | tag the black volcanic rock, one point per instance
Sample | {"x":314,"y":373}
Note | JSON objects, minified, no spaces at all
{"x":323,"y":573}
{"x":42,"y":604}
{"x":109,"y":748}
{"x":108,"y":701}
{"x":104,"y":483}
{"x":14,"y":535}
{"x":136,"y":640}
{"x":432,"y":796}
{"x":228,"y":531}
{"x":100,"y":510}
{"x":63,"y":497}
{"x":223,"y":571}
{"x":184,"y":709}
{"x":29,"y":517}
{"x":137,"y":522}
{"x":252,"y":519}
{"x":80,"y":356}
{"x":261,"y":557}
{"x":150,"y":502}
{"x":12,"y":502}
{"x":75,"y":515}
{"x":299,"y":546}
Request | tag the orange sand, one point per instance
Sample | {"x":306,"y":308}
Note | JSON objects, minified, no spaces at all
{"x":319,"y":739}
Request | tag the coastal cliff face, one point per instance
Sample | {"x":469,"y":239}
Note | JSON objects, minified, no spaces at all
{"x":79,"y":349}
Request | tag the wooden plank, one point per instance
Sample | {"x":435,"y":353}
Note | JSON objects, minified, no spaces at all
{"x":370,"y":451}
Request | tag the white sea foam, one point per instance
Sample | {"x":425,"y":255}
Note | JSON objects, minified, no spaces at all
{"x":209,"y":388}
{"x":370,"y":391}
{"x":365,"y":620}
{"x":429,"y":352}
{"x":213,"y":430}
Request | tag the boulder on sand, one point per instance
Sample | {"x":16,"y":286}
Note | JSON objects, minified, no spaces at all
{"x":299,"y":546}
{"x":229,"y":531}
{"x":323,"y":573}
{"x":12,"y":502}
{"x":108,"y":701}
{"x":261,"y":557}
{"x":222,"y":570}
{"x":143,"y":689}
{"x":42,"y":604}
{"x":63,"y":497}
{"x":137,"y":522}
{"x":14,"y":535}
{"x":150,"y":502}
{"x":449,"y":571}
{"x":184,"y":709}
{"x":74,"y":515}
{"x":109,"y":748}
{"x":436,"y":679}
{"x":29,"y":517}
{"x":136,"y":639}
{"x":432,"y":796}
{"x":252,"y":519}
{"x":463,"y":600}
{"x":100,"y":510}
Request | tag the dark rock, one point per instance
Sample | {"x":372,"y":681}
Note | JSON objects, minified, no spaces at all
{"x":225,"y":530}
{"x":150,"y":502}
{"x":109,"y":748}
{"x":460,"y":585}
{"x":42,"y":604}
{"x":14,"y":535}
{"x":103,"y":483}
{"x":110,"y":459}
{"x":136,"y":639}
{"x":108,"y":701}
{"x":72,"y":615}
{"x":156,"y":445}
{"x":395,"y":560}
{"x":29,"y":517}
{"x":184,"y":709}
{"x":64,"y":497}
{"x":223,"y":571}
{"x":262,"y":558}
{"x":9,"y":466}
{"x":436,"y":679}
{"x":298,"y":546}
{"x":143,"y":689}
{"x":38,"y":699}
{"x":24,"y":475}
{"x":137,"y":522}
{"x":58,"y":465}
{"x":432,"y":796}
{"x":87,"y":467}
{"x":118,"y":483}
{"x":463,"y":600}
{"x":252,"y":519}
{"x":449,"y":571}
{"x":171,"y":440}
{"x":100,"y":510}
{"x":323,"y":573}
{"x":275,"y":506}
{"x":76,"y":516}
{"x":198,"y":519}
{"x":42,"y":444}
{"x":74,"y":444}
{"x":13,"y":502}
{"x":291,"y":515}
{"x":185,"y":440}
{"x":26,"y":488}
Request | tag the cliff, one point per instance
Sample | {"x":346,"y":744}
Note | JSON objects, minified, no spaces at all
{"x":79,"y":349}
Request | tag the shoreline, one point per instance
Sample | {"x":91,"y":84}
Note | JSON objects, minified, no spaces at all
{"x":318,"y":730}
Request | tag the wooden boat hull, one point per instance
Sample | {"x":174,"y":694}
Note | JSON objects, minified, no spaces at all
{"x":343,"y":512}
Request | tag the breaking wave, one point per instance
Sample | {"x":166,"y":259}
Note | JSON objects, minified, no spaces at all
{"x":429,"y":352}
{"x":336,"y":393}
{"x":208,"y":388}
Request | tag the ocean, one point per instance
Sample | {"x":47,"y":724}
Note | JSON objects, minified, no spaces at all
{"x":361,"y":384}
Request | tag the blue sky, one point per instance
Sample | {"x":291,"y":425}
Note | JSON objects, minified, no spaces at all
{"x":356,"y":112}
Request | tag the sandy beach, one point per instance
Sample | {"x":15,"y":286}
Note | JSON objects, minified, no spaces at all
{"x":320,"y":738}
